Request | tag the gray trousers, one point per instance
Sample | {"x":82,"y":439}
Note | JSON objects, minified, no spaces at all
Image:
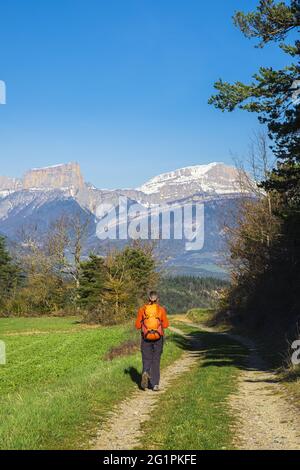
{"x":151,"y":354}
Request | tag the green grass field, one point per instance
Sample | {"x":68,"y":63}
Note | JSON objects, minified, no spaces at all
{"x":57,"y":385}
{"x":194,"y":413}
{"x":41,"y":324}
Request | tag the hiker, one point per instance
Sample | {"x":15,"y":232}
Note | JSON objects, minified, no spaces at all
{"x":151,"y":320}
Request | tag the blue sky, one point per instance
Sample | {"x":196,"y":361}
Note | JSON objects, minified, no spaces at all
{"x":121,"y":86}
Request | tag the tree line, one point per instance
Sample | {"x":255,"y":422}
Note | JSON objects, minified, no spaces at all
{"x":265,"y":243}
{"x":50,"y":276}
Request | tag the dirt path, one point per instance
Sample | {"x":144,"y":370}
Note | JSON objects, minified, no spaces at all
{"x":123,"y":428}
{"x":266,"y":420}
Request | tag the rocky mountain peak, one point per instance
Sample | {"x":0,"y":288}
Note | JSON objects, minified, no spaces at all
{"x":63,"y":176}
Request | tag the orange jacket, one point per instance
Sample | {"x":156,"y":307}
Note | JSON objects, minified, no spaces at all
{"x":162,"y":313}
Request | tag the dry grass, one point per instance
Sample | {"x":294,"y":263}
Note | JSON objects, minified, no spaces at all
{"x":124,"y":349}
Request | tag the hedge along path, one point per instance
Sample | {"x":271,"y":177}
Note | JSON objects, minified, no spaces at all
{"x":122,"y":430}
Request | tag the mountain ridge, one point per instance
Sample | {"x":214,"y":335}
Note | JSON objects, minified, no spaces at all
{"x":68,"y":175}
{"x":32,"y":203}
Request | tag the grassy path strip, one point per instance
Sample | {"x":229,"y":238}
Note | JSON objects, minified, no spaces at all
{"x":194,"y":413}
{"x":191,"y":411}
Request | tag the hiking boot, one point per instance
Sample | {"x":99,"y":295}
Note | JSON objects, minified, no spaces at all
{"x":145,"y":380}
{"x":156,"y":388}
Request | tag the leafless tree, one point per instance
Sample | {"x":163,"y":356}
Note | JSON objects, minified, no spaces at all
{"x":79,"y":229}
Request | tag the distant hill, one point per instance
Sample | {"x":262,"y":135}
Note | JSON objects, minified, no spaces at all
{"x":182,"y":293}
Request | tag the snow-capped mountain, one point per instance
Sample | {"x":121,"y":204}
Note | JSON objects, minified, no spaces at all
{"x":44,"y":194}
{"x":214,"y":178}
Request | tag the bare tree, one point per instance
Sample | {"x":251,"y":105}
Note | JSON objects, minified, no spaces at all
{"x":256,"y":167}
{"x":79,"y":230}
{"x":57,"y":242}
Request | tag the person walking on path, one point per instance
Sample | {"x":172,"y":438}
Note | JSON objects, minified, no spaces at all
{"x":152,"y":320}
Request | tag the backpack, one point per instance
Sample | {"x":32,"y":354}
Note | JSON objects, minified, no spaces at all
{"x":151,"y":324}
